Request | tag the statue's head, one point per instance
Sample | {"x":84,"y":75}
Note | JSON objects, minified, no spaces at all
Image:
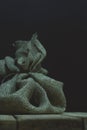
{"x":22,"y":54}
{"x":26,"y":52}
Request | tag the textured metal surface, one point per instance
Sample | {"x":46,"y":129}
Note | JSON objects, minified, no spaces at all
{"x":26,"y":88}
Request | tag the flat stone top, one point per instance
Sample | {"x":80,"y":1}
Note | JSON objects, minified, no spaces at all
{"x":64,"y":116}
{"x":6,"y":118}
{"x":46,"y":117}
{"x":76,"y":114}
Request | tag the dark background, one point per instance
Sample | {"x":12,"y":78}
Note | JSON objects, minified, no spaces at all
{"x":62,"y":29}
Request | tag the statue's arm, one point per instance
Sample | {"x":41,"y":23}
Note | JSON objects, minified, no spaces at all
{"x":10,"y":64}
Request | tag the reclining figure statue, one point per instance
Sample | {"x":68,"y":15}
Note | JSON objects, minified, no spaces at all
{"x":25,"y":87}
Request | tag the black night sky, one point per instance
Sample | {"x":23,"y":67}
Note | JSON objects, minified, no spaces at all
{"x":62,"y":29}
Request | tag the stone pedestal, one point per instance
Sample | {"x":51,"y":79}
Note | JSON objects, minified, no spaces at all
{"x":7,"y":122}
{"x":65,"y":121}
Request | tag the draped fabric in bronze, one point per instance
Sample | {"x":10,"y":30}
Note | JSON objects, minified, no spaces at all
{"x":25,"y":87}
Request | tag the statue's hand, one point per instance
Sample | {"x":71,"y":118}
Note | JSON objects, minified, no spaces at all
{"x":10,"y":63}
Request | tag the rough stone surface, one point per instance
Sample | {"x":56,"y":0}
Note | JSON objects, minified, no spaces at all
{"x":65,"y":121}
{"x":85,"y":123}
{"x":76,"y":114}
{"x":25,"y":87}
{"x":7,"y":122}
{"x":48,"y":122}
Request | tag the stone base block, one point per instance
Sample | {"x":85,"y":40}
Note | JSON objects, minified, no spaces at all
{"x":7,"y":122}
{"x":48,"y":122}
{"x":65,"y":121}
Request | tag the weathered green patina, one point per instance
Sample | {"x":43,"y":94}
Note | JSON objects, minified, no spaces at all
{"x":25,"y":87}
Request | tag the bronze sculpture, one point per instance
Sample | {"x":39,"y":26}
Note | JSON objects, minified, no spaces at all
{"x":25,"y":87}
